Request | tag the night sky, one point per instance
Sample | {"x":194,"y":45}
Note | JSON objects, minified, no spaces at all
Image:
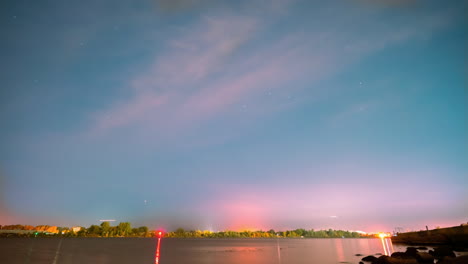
{"x":218,"y":115}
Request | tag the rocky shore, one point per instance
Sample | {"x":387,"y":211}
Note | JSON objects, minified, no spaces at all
{"x":419,"y":255}
{"x":457,"y":236}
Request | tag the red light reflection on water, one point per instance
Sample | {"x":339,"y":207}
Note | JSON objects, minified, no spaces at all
{"x":156,"y":259}
{"x":339,"y":250}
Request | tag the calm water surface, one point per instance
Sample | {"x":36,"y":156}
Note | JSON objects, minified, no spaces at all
{"x":192,"y":251}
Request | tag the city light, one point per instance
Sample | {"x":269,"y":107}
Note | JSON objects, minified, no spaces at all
{"x":382,"y":234}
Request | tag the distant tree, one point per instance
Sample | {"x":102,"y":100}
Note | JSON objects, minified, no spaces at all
{"x":124,"y":229}
{"x":70,"y":233}
{"x":82,"y":232}
{"x":331,"y":233}
{"x":180,"y":232}
{"x":135,"y":231}
{"x":113,"y":231}
{"x":143,"y":231}
{"x":94,"y":230}
{"x":105,"y":227}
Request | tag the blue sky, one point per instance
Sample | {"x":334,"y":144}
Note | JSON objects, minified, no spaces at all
{"x":214,"y":115}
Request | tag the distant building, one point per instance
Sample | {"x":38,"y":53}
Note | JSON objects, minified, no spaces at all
{"x":75,"y":229}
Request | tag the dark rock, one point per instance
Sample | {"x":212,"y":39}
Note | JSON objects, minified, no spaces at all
{"x":401,"y":255}
{"x":447,"y":260}
{"x":389,"y":260}
{"x":369,"y":258}
{"x":421,"y":248}
{"x":423,"y":257}
{"x":404,"y":255}
{"x":381,"y":260}
{"x":460,"y":248}
{"x":378,"y":254}
{"x":360,"y":262}
{"x":451,"y":260}
{"x":411,"y":251}
{"x":358,"y":255}
{"x":442,"y":251}
{"x":461,"y":260}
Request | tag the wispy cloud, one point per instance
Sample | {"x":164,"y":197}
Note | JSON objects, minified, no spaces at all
{"x":130,"y":111}
{"x":199,"y":52}
{"x":392,"y":3}
{"x":219,"y":63}
{"x":353,"y":111}
{"x":201,"y":73}
{"x":177,"y":5}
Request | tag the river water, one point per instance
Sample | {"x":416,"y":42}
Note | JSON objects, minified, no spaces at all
{"x":190,"y":251}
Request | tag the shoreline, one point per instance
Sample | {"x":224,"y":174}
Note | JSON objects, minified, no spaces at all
{"x":457,"y":236}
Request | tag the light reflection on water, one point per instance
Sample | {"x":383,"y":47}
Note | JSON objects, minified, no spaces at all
{"x":263,"y":251}
{"x":387,"y":246}
{"x":339,"y":250}
{"x":193,"y":251}
{"x":157,"y":254}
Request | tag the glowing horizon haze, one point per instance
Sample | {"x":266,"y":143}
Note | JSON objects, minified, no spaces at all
{"x":217,"y":115}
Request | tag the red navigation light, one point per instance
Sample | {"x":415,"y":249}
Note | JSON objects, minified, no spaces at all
{"x":159,"y":234}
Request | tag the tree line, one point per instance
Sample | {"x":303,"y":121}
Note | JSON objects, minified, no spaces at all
{"x":296,"y":233}
{"x":124,"y":229}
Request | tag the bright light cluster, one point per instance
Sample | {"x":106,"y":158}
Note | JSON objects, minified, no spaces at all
{"x":383,"y":235}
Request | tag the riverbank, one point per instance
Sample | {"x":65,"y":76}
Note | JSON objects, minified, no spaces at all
{"x":457,"y":236}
